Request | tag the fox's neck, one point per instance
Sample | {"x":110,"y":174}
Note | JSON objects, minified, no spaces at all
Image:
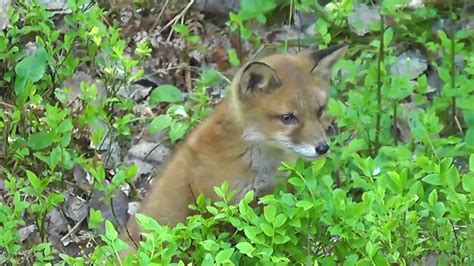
{"x":263,"y":158}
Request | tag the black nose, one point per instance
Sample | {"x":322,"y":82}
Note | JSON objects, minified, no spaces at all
{"x":322,"y":149}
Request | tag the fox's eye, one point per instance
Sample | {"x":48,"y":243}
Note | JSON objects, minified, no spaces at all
{"x":320,"y":111}
{"x":288,"y":119}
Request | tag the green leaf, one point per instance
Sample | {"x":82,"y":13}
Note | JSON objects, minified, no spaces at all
{"x":39,"y":141}
{"x":469,"y":118}
{"x":280,"y":219}
{"x":210,"y":245}
{"x":182,"y":29}
{"x":371,"y":249}
{"x":212,"y":210}
{"x":318,"y":164}
{"x":194,"y":39}
{"x":354,"y":211}
{"x":433,"y":197}
{"x":296,"y":181}
{"x":354,"y":146}
{"x":469,"y":138}
{"x":439,"y":209}
{"x":444,"y":39}
{"x":65,"y":126}
{"x":281,"y":239}
{"x":95,"y":218}
{"x":393,"y":183}
{"x":165,"y":93}
{"x":233,"y":57}
{"x":147,"y":223}
{"x":471,"y":163}
{"x":433,"y":179}
{"x":30,"y":69}
{"x":72,"y":5}
{"x":177,"y":131}
{"x":224,"y":255}
{"x":269,"y":213}
{"x":110,"y":232}
{"x":267,"y":229}
{"x":452,"y":177}
{"x":210,"y":77}
{"x":245,"y":248}
{"x":219,"y":192}
{"x":328,"y":181}
{"x":468,"y":183}
{"x":159,"y":123}
{"x":252,"y":232}
{"x":444,"y":74}
{"x":249,"y":197}
{"x":55,"y":157}
{"x":393,"y":4}
{"x":256,"y":9}
{"x":423,"y":83}
{"x":34,"y":180}
{"x":305,"y":204}
{"x":388,"y":37}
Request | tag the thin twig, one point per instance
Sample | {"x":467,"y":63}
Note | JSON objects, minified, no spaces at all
{"x":458,"y":246}
{"x":177,"y":18}
{"x":458,"y":124}
{"x":394,"y":124}
{"x":7,"y":104}
{"x":159,"y":16}
{"x":118,"y":222}
{"x":257,"y":52}
{"x":379,"y":87}
{"x":73,"y":229}
{"x":152,"y":150}
{"x":453,"y":66}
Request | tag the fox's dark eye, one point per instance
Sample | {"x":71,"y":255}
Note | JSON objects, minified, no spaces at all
{"x":320,"y":111}
{"x":288,"y":119}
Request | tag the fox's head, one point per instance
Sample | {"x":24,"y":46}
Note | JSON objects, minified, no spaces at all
{"x":281,"y":100}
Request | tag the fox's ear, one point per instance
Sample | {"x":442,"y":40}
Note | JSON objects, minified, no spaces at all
{"x":257,"y":78}
{"x":325,"y":59}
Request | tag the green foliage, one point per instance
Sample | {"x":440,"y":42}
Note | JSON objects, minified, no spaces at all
{"x":375,"y":200}
{"x":400,"y":216}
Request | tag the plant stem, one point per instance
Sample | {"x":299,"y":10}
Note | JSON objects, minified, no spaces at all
{"x":379,"y":87}
{"x":453,"y":69}
{"x":394,"y":124}
{"x":321,"y":12}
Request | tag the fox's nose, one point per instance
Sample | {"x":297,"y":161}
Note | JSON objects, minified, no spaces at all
{"x":322,"y":149}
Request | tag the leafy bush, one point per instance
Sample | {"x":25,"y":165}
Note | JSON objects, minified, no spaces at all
{"x":401,"y":216}
{"x":397,"y":188}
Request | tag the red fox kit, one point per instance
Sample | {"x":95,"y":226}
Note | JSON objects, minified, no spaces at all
{"x":274,"y":114}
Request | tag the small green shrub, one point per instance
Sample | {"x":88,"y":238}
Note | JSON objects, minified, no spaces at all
{"x":399,"y":217}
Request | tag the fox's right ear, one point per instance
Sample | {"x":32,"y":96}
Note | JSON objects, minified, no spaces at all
{"x":257,"y":78}
{"x":325,"y":59}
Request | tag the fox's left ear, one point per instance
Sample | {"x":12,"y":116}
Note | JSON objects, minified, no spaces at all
{"x":257,"y":78}
{"x":324,"y":60}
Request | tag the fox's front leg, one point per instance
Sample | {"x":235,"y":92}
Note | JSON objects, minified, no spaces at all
{"x":167,"y":203}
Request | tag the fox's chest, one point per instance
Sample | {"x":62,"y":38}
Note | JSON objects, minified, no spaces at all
{"x":264,"y":163}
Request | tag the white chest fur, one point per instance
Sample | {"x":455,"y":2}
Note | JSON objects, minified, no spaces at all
{"x":264,"y":162}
